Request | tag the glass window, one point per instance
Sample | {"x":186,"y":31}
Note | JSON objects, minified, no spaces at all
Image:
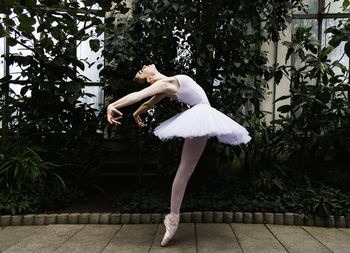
{"x":18,"y":49}
{"x":320,"y":15}
{"x":329,"y":13}
{"x":338,"y":53}
{"x":88,"y":57}
{"x":334,"y":7}
{"x":83,"y":52}
{"x":96,"y":100}
{"x":310,"y":6}
{"x":93,"y":7}
{"x":305,"y":23}
{"x":2,"y":60}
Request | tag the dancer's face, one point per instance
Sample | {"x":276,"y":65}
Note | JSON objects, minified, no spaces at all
{"x":146,"y":72}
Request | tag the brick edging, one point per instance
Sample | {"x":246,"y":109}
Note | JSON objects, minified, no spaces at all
{"x":185,"y":217}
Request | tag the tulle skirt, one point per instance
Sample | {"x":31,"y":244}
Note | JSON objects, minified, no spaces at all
{"x":203,"y":120}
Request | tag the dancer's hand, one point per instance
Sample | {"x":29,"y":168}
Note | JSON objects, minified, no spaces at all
{"x":111,"y":115}
{"x":138,"y":120}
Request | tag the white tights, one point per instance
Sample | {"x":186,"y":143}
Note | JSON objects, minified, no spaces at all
{"x":192,"y":149}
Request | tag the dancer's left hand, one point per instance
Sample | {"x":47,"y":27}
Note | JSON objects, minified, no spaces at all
{"x":138,"y":120}
{"x":111,"y":115}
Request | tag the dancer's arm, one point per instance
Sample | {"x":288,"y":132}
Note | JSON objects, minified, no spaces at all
{"x":155,"y":88}
{"x":145,"y":107}
{"x":132,"y":98}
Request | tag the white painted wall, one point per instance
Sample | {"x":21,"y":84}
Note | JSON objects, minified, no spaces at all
{"x":282,"y":89}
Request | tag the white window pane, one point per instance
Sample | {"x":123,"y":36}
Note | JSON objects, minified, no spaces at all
{"x":85,"y":54}
{"x":338,"y":53}
{"x":295,"y":60}
{"x":14,"y":69}
{"x":184,"y":51}
{"x":96,"y":100}
{"x":305,"y":23}
{"x":334,"y":7}
{"x":94,"y":7}
{"x":21,"y":50}
{"x":311,"y":6}
{"x":16,"y":89}
{"x":2,"y":59}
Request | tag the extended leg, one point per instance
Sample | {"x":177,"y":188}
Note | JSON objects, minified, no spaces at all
{"x":191,"y":151}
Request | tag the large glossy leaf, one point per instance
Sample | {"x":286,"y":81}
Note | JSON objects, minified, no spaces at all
{"x":94,"y":45}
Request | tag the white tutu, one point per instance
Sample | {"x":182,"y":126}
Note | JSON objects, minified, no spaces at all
{"x":201,"y":120}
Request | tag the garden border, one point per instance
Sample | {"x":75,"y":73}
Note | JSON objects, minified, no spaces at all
{"x":185,"y":217}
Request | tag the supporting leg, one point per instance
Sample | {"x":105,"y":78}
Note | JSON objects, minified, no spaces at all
{"x":191,"y":151}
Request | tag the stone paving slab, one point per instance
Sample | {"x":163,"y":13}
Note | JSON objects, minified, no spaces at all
{"x":333,"y":238}
{"x":184,"y":240}
{"x":216,"y":238}
{"x":132,"y":238}
{"x":190,"y":238}
{"x":256,"y":238}
{"x":345,"y":230}
{"x":13,"y":234}
{"x":45,"y":240}
{"x":92,"y":238}
{"x":297,"y":240}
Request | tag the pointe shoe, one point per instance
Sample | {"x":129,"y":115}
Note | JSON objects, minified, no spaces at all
{"x":171,"y":222}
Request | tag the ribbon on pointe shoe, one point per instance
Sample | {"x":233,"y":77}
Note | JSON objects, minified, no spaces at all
{"x":171,"y":222}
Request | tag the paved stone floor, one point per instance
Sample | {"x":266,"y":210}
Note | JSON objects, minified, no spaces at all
{"x":190,"y":237}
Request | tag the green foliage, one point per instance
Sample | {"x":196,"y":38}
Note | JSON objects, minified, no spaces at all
{"x":265,"y":156}
{"x":304,"y":198}
{"x":325,"y":201}
{"x":26,"y":179}
{"x":26,"y":169}
{"x":318,"y":119}
{"x":18,"y":201}
{"x":47,"y":115}
{"x":22,"y":201}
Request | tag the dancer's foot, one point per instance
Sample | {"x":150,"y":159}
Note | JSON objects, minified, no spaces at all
{"x":171,"y":222}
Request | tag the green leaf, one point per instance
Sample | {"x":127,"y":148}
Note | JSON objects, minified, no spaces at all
{"x":24,"y":90}
{"x":326,"y":51}
{"x":18,"y":10}
{"x":94,"y":45}
{"x":11,"y":41}
{"x":284,"y":108}
{"x":289,"y":53}
{"x":278,"y":76}
{"x":9,"y":22}
{"x":175,"y":6}
{"x":2,"y":31}
{"x":347,"y":48}
{"x":199,"y":61}
{"x":80,"y":64}
{"x":281,"y":98}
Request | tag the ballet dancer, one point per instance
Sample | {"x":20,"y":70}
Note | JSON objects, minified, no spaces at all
{"x":195,"y":125}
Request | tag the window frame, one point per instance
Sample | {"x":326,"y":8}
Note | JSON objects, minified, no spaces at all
{"x":320,"y":16}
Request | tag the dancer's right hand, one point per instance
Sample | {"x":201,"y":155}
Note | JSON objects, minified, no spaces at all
{"x":111,"y":115}
{"x":138,"y":120}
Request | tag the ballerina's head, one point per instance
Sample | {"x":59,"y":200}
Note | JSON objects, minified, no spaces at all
{"x":146,"y":74}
